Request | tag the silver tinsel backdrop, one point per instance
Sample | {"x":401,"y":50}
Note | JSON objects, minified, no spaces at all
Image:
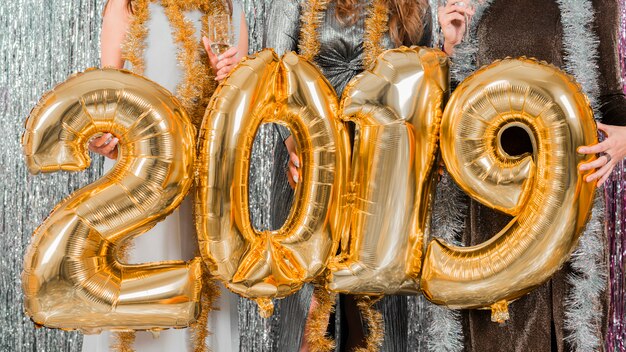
{"x":41,"y":43}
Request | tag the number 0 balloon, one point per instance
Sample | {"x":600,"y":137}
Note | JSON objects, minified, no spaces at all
{"x":266,"y":264}
{"x":545,"y":192}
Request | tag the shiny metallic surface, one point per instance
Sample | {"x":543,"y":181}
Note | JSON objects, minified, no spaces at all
{"x":72,"y":278}
{"x":270,"y":264}
{"x":397,"y":108}
{"x":552,"y":205}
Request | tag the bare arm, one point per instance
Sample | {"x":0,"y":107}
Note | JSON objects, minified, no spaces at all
{"x":115,"y":24}
{"x":242,"y":46}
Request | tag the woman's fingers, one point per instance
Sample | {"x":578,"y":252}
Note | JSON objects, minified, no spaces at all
{"x":212,"y":57}
{"x":223,"y":73}
{"x":100,"y":141}
{"x":599,"y":162}
{"x":107,"y":149}
{"x":225,"y":70}
{"x":606,"y":175}
{"x":105,"y":145}
{"x":293,"y":173}
{"x":595,"y":148}
{"x":223,"y":63}
{"x":453,"y":17}
{"x":600,"y":172}
{"x":232,"y":51}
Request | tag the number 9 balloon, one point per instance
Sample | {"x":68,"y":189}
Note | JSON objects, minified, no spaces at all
{"x":72,"y":278}
{"x":545,"y":192}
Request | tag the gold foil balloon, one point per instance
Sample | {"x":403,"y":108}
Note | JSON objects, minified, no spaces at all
{"x":397,"y":107}
{"x":549,"y":198}
{"x":72,"y":278}
{"x":266,"y":264}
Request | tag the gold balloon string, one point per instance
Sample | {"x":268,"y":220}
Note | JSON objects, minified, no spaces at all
{"x":123,"y":341}
{"x":375,"y":27}
{"x":317,"y":324}
{"x":210,"y":294}
{"x":197,"y":85}
{"x":374,"y":320}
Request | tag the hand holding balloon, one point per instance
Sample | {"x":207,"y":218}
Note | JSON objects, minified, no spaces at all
{"x":293,"y":173}
{"x":611,"y":151}
{"x":105,"y":145}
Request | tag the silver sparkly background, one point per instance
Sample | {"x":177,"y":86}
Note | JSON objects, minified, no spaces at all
{"x":41,"y":43}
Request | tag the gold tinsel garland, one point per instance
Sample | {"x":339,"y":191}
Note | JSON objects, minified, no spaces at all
{"x":315,"y":332}
{"x":198,"y":81}
{"x":375,"y":28}
{"x":123,"y":341}
{"x":374,"y":321}
{"x":194,"y":92}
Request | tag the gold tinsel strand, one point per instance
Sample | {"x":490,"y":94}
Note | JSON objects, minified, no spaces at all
{"x":375,"y":27}
{"x":135,"y":43}
{"x":311,"y":19}
{"x":123,"y":341}
{"x":374,"y":321}
{"x":317,"y":324}
{"x":208,"y":298}
{"x":198,"y":81}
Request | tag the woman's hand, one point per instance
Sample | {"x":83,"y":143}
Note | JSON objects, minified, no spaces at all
{"x":224,"y":63}
{"x":104,"y":145}
{"x":612,"y":150}
{"x":452,"y":19}
{"x":293,"y":173}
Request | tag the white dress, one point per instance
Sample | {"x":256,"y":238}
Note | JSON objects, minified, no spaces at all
{"x":174,"y":238}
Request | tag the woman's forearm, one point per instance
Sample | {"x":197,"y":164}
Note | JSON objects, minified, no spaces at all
{"x":114,"y":27}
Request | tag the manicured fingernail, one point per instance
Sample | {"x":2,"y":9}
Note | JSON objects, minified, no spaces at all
{"x":295,"y":178}
{"x":220,"y":57}
{"x":297,"y":163}
{"x":115,"y":140}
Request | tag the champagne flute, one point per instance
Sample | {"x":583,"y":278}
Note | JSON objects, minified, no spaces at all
{"x":221,"y":33}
